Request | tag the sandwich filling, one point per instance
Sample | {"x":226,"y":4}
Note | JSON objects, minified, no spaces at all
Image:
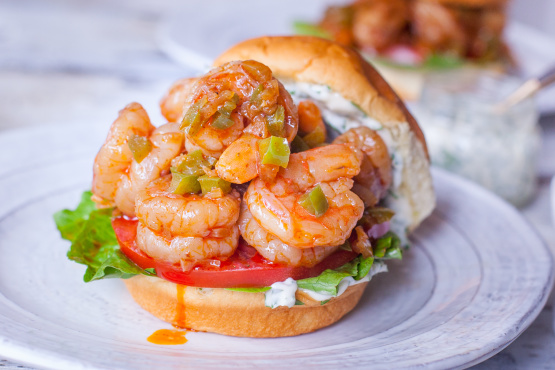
{"x":245,"y":188}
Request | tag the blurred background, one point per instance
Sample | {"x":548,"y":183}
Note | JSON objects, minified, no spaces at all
{"x":68,"y":62}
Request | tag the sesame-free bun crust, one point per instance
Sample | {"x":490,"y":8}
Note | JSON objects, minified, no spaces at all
{"x":323,"y":62}
{"x":240,"y":314}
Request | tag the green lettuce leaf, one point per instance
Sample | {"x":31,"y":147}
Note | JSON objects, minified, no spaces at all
{"x":328,"y":281}
{"x":432,"y":62}
{"x":309,"y":29}
{"x":94,"y":243}
{"x":70,"y":222}
{"x":388,"y":247}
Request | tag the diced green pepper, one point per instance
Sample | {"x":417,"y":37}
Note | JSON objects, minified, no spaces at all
{"x":192,"y":122}
{"x":207,"y":183}
{"x":140,"y":146}
{"x":298,"y":145}
{"x":275,"y":122}
{"x":222,"y":119}
{"x":315,"y":138}
{"x":192,"y":164}
{"x":275,"y":150}
{"x":182,"y":183}
{"x":256,"y":95}
{"x":315,"y":202}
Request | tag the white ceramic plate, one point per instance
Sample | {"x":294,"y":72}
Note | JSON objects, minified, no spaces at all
{"x":200,"y":31}
{"x":476,"y":277}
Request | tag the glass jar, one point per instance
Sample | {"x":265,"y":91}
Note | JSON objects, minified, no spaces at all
{"x":468,"y":136}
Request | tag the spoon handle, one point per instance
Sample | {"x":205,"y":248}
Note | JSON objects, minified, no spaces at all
{"x":548,"y":77}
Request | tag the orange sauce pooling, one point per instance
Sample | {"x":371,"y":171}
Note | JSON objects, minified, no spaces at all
{"x":168,"y":337}
{"x":173,"y":337}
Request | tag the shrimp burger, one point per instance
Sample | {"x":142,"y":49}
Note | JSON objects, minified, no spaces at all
{"x":283,"y":180}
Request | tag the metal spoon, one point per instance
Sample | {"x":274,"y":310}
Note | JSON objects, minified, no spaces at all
{"x":527,"y":89}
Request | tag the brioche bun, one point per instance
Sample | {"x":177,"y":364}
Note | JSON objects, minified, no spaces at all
{"x":318,"y":61}
{"x":240,"y":314}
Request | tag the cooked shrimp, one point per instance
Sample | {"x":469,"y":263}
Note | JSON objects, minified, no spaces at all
{"x":241,"y":162}
{"x":436,"y":27}
{"x":248,"y":95}
{"x":173,"y":102}
{"x":213,"y":141}
{"x":166,"y":146}
{"x":375,"y":177}
{"x":187,"y":250}
{"x":379,"y":24}
{"x":322,"y":164}
{"x":114,"y":157}
{"x":310,"y":118}
{"x":275,"y":205}
{"x":273,"y":249}
{"x":173,"y":215}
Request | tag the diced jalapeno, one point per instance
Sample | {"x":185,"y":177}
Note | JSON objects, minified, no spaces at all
{"x":315,"y":138}
{"x":182,"y":183}
{"x":314,"y":202}
{"x":256,"y":95}
{"x":222,"y":121}
{"x":207,"y":183}
{"x":275,"y":150}
{"x":275,"y":122}
{"x":140,"y":146}
{"x":298,"y":145}
{"x":222,"y":118}
{"x":192,"y":121}
{"x":192,"y":164}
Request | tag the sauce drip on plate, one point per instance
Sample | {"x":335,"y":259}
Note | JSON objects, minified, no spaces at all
{"x":168,"y":337}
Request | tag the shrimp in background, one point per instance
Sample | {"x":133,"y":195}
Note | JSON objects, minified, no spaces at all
{"x":115,"y":157}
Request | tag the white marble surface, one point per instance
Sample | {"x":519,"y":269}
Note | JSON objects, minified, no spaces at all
{"x":66,"y":61}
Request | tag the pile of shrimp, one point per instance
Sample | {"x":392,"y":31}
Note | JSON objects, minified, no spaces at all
{"x":262,"y":207}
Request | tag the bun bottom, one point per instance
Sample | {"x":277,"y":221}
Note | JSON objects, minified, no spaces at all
{"x":240,"y":314}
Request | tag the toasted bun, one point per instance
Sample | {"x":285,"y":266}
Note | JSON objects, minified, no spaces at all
{"x":233,"y":313}
{"x":318,"y":61}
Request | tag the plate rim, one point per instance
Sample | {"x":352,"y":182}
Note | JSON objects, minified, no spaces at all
{"x":45,"y":358}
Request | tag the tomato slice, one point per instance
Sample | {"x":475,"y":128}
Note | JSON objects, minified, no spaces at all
{"x":244,"y":269}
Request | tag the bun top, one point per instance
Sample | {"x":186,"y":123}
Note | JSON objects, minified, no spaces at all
{"x":319,"y":61}
{"x":313,"y":60}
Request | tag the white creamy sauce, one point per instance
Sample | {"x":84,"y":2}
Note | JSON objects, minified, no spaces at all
{"x":283,"y":293}
{"x":343,"y":115}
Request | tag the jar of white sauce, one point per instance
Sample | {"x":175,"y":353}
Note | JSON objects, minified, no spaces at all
{"x":468,"y":136}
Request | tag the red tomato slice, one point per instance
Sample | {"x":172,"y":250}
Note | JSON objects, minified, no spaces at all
{"x":245,"y":269}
